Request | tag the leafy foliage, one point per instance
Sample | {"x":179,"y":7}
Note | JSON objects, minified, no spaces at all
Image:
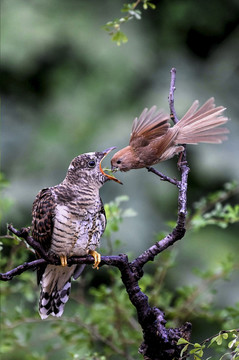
{"x":210,"y":210}
{"x":115,"y":215}
{"x":231,"y":344}
{"x":113,"y":27}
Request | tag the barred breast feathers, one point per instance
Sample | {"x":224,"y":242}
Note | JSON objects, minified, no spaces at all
{"x":68,"y":220}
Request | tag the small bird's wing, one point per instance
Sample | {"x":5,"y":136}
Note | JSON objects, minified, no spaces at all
{"x":42,"y":221}
{"x":148,"y":126}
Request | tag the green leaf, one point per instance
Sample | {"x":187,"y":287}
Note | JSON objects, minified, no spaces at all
{"x":127,"y":7}
{"x":200,"y":353}
{"x":129,"y":213}
{"x":153,"y":6}
{"x":231,"y":343}
{"x":219,"y":339}
{"x":197,"y":345}
{"x":196,"y":357}
{"x":184,"y":350}
{"x":182,"y":341}
{"x":135,"y":13}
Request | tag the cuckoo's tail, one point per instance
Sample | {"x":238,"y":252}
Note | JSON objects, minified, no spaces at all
{"x":201,"y":125}
{"x":55,"y":290}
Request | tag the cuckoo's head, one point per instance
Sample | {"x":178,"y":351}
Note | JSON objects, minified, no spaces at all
{"x":87,"y":168}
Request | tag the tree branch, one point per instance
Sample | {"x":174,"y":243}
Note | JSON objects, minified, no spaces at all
{"x":159,"y":343}
{"x":162,"y":176}
{"x":171,"y":96}
{"x":24,"y":234}
{"x":9,"y":275}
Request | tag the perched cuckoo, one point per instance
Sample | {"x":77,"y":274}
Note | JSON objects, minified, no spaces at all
{"x":69,"y":220}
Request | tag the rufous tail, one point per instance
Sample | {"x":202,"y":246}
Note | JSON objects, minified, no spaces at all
{"x":201,"y":125}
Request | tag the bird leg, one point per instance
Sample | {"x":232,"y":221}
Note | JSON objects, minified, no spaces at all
{"x":97,"y":258}
{"x":180,"y":162}
{"x":63,"y":259}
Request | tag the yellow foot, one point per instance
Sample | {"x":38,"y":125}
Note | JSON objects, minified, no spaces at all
{"x":63,"y":260}
{"x":97,"y":258}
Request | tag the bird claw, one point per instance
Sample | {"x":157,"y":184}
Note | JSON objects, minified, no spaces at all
{"x":63,"y":259}
{"x":181,"y":162}
{"x":97,"y":258}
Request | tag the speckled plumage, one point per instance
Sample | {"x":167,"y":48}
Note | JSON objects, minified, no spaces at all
{"x":68,"y":220}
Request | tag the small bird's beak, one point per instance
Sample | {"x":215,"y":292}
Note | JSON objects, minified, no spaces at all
{"x":114,"y":168}
{"x":110,"y":177}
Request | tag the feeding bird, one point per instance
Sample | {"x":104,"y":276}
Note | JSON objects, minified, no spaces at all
{"x":69,"y":220}
{"x":153,"y":140}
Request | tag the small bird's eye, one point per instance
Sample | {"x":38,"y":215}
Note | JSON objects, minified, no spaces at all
{"x":91,"y":163}
{"x":118,"y":162}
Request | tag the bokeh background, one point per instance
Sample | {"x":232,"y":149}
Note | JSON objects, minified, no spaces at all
{"x":68,"y":89}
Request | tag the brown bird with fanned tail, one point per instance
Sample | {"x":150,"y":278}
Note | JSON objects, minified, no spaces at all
{"x":153,"y":140}
{"x":69,"y":220}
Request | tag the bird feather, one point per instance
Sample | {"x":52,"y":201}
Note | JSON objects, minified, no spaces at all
{"x":149,"y":126}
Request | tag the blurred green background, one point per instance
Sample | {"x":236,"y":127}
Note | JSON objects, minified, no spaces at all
{"x":68,"y":89}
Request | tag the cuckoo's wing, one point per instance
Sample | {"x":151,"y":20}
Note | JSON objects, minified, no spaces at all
{"x":42,"y":218}
{"x":150,"y":125}
{"x":42,"y":221}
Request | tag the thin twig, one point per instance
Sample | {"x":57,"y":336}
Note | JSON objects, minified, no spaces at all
{"x":173,"y":114}
{"x":221,"y":332}
{"x":162,"y":176}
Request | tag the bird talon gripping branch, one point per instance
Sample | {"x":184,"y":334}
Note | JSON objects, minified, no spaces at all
{"x":63,"y":259}
{"x":97,"y":258}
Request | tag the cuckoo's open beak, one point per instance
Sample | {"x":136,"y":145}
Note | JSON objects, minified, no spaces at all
{"x":110,"y":177}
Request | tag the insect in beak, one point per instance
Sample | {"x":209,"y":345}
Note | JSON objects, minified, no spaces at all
{"x":109,"y":176}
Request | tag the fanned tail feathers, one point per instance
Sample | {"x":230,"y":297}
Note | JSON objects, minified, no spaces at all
{"x":202,"y":125}
{"x":55,"y":290}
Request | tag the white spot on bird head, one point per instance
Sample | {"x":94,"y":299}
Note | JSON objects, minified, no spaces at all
{"x":91,"y":154}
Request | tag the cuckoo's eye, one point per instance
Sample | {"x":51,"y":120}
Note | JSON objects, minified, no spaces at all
{"x":118,"y":162}
{"x":91,"y":163}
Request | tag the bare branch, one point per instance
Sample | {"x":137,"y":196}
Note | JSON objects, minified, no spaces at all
{"x":9,"y":275}
{"x":171,"y":96}
{"x":162,"y":176}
